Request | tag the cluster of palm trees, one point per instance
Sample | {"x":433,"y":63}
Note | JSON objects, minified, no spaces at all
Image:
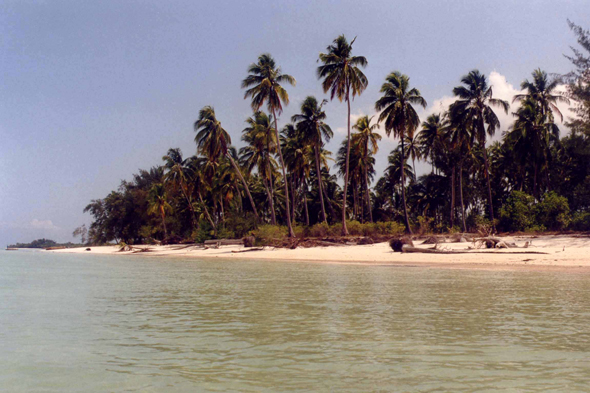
{"x":279,"y":172}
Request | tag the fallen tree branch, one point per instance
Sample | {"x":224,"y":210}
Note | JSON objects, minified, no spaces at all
{"x":248,"y":250}
{"x":409,"y":249}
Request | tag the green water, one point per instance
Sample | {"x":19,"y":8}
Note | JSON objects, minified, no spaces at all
{"x":142,"y":324}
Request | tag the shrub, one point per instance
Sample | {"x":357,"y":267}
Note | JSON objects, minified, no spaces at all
{"x":240,"y":224}
{"x":301,"y":231}
{"x":264,"y":234}
{"x":581,"y":221}
{"x":319,"y":230}
{"x":517,"y":213}
{"x":355,"y":228}
{"x":553,"y":211}
{"x":425,"y":224}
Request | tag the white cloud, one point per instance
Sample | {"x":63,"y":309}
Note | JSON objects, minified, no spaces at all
{"x":503,"y":90}
{"x":43,"y":224}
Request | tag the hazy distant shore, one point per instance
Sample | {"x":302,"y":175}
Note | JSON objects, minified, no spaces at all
{"x":558,"y":252}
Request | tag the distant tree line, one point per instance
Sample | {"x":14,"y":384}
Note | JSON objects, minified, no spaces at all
{"x":531,"y":179}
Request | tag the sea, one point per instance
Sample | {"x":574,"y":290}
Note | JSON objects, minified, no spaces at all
{"x":92,"y":323}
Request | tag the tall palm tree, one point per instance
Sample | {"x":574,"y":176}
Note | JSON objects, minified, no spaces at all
{"x":461,"y":138}
{"x":176,"y":174}
{"x":400,"y":117}
{"x":213,"y":142}
{"x":261,"y":142}
{"x":158,"y":204}
{"x":344,"y":79}
{"x":430,"y":136}
{"x":264,"y":85}
{"x":311,"y":124}
{"x":366,"y":138}
{"x":531,"y":136}
{"x":474,"y":102}
{"x":196,"y":173}
{"x":541,"y":90}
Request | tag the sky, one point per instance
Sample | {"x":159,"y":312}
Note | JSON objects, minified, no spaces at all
{"x":91,"y":92}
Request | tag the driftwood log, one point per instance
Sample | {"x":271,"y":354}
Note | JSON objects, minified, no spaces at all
{"x":410,"y":249}
{"x":248,"y":250}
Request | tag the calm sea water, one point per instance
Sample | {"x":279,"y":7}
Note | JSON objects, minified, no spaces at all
{"x":141,"y":324}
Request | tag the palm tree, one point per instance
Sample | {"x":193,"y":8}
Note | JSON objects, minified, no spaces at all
{"x":400,"y":117}
{"x":213,"y":142}
{"x":531,"y":136}
{"x":366,"y":139}
{"x":344,"y":79}
{"x":461,"y":138}
{"x":430,"y":136}
{"x":195,"y":172}
{"x":541,"y":91}
{"x":413,"y":149}
{"x":475,"y":98}
{"x":176,"y":167}
{"x":261,"y":142}
{"x":312,"y":126}
{"x":264,"y":85}
{"x":158,"y":204}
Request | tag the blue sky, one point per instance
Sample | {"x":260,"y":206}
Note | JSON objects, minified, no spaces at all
{"x":91,"y":92}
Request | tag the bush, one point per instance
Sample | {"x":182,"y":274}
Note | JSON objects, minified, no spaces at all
{"x":355,"y":228}
{"x":301,"y":231}
{"x":517,"y":213}
{"x":265,"y":234}
{"x":319,"y":230}
{"x":240,"y":224}
{"x":425,"y":224}
{"x":553,"y":211}
{"x":581,"y":221}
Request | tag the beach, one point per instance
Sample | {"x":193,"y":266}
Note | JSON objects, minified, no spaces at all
{"x":547,"y":251}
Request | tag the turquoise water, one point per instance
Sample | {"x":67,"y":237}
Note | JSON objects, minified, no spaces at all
{"x":87,"y":323}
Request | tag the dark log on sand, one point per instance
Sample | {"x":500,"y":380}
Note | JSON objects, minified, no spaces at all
{"x":248,"y":250}
{"x":410,"y":249}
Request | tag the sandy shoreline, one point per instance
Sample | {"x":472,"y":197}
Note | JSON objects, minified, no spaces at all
{"x":561,"y":251}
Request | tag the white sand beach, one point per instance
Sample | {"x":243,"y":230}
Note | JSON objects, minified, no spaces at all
{"x":549,"y":251}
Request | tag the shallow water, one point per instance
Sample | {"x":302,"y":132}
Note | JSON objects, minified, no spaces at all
{"x":81,"y":323}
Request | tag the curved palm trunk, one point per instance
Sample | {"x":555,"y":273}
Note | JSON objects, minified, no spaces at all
{"x":319,"y":176}
{"x":164,"y":222}
{"x":207,"y":214}
{"x":344,"y":229}
{"x":461,"y":196}
{"x":190,"y":205}
{"x":368,"y":195}
{"x":453,"y":196}
{"x":487,"y":168}
{"x":293,"y":199}
{"x":406,"y":218}
{"x":305,"y":206}
{"x":273,"y":219}
{"x":233,"y":164}
{"x":286,"y":186}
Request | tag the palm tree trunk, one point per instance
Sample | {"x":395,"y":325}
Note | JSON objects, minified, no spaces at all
{"x":535,"y":192}
{"x":328,"y":202}
{"x":461,"y":196}
{"x":207,"y":214}
{"x":485,"y":161}
{"x":406,"y":218}
{"x":164,"y":222}
{"x":319,"y":176}
{"x":293,"y":196}
{"x":344,"y":229}
{"x":271,"y":196}
{"x":233,"y":164}
{"x":190,"y":206}
{"x":453,"y":197}
{"x":270,"y":204}
{"x":305,"y":205}
{"x":368,"y":195}
{"x":288,"y":205}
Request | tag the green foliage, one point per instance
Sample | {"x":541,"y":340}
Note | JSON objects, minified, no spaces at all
{"x":581,"y":221}
{"x":39,"y":243}
{"x":265,"y":234}
{"x":553,"y":211}
{"x":425,"y":224}
{"x":518,"y":213}
{"x":239,"y":225}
